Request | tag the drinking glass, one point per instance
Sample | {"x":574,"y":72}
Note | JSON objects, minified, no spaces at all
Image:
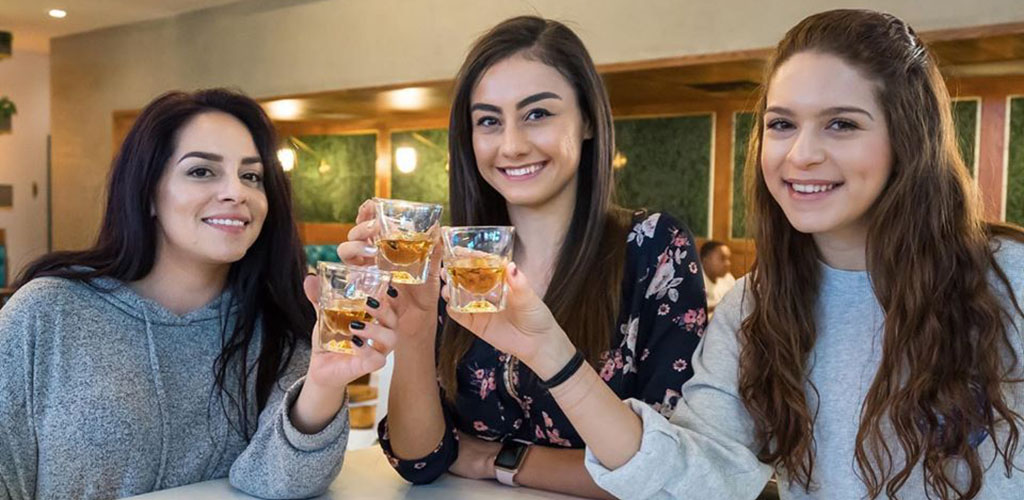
{"x":343,"y":293}
{"x":474,"y":260}
{"x":408,"y":233}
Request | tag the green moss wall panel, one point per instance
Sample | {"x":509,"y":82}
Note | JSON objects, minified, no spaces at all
{"x":668,"y":166}
{"x":333,"y":176}
{"x":429,"y":182}
{"x":965,"y":120}
{"x":1015,"y":163}
{"x":743,"y":124}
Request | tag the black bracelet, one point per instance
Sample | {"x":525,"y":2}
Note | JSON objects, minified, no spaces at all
{"x":567,"y":371}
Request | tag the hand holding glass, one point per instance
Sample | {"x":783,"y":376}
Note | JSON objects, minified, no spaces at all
{"x":343,"y":293}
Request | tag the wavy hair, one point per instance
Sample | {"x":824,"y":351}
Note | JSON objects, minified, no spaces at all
{"x":946,"y":351}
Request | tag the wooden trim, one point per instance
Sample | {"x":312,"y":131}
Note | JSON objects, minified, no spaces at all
{"x":984,"y":86}
{"x":686,"y":60}
{"x":122,"y":124}
{"x":985,"y":31}
{"x":382,"y":186}
{"x":681,"y":108}
{"x":323,"y":233}
{"x":381,"y":88}
{"x":295,"y":129}
{"x":992,"y":156}
{"x":722,"y":210}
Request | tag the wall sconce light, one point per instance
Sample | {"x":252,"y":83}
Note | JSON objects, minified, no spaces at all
{"x":286,"y":156}
{"x":405,"y":159}
{"x":619,"y":160}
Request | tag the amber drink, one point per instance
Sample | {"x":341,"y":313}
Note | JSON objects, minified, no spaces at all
{"x":343,"y":293}
{"x":474,"y":260}
{"x":408,"y":233}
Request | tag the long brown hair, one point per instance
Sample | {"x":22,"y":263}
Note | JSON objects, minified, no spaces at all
{"x":928,"y":254}
{"x":594,"y":245}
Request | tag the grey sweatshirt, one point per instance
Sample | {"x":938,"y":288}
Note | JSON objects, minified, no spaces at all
{"x":104,"y":394}
{"x":707,"y":448}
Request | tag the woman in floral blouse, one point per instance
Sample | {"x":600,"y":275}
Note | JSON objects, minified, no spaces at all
{"x":531,"y":146}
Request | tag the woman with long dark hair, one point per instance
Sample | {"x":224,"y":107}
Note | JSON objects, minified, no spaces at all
{"x":531,"y":143}
{"x":177,"y":349}
{"x":875,"y":348}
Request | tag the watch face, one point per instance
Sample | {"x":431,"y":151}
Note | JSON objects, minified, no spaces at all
{"x":510,"y":456}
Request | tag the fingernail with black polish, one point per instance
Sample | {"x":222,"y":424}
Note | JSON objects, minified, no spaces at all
{"x":357,"y":325}
{"x":392,"y":292}
{"x":372,"y":302}
{"x":357,"y":341}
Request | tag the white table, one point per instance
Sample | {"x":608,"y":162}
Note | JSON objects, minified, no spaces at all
{"x":367,"y":474}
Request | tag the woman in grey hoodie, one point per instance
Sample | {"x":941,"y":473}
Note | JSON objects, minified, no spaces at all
{"x":177,"y":349}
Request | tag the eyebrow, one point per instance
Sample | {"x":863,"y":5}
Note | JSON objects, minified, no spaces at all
{"x":249,"y":160}
{"x":540,"y":96}
{"x":835,"y":110}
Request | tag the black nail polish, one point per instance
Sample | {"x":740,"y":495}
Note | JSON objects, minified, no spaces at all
{"x":372,"y":302}
{"x":357,"y":341}
{"x":357,"y":325}
{"x":392,"y":292}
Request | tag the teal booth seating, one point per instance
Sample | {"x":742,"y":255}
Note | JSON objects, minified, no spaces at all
{"x":315,"y":253}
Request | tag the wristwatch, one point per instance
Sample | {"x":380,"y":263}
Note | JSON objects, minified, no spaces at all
{"x":509,"y":459}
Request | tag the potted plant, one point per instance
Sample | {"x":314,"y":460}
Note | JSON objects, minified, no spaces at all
{"x":7,"y":110}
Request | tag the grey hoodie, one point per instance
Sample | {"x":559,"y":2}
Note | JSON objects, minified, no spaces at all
{"x":104,"y":393}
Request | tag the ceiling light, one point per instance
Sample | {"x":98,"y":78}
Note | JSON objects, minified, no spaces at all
{"x":408,"y":99}
{"x":57,"y":13}
{"x":284,"y":109}
{"x":405,"y":159}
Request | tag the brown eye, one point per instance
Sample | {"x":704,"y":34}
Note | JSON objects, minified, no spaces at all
{"x":200,"y":172}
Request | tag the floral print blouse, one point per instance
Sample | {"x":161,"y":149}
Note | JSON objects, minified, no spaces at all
{"x":661,"y":320}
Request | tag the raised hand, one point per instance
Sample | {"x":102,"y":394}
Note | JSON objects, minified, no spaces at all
{"x":337,"y":370}
{"x":414,"y":305}
{"x":525,"y":329}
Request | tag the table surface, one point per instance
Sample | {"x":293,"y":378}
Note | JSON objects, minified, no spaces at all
{"x":367,"y":474}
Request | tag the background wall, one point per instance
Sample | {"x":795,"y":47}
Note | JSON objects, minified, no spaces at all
{"x":280,"y":47}
{"x":429,"y":182}
{"x":333,"y":174}
{"x":1015,"y":163}
{"x":25,"y":78}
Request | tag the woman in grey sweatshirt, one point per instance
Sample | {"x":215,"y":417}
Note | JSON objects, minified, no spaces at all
{"x":876,"y":348}
{"x":177,"y":349}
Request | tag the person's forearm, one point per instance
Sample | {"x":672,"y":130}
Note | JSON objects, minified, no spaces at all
{"x":559,"y":470}
{"x":315,"y":407}
{"x":593,"y":408}
{"x":415,"y":418}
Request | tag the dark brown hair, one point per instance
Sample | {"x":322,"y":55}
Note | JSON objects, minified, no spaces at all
{"x":929,"y":252}
{"x":266,"y":284}
{"x":594,"y":245}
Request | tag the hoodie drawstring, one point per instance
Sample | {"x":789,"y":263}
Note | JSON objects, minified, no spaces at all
{"x":165,"y":430}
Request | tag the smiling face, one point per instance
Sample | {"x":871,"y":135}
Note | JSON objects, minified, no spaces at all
{"x":528,"y":131}
{"x":210,"y":203}
{"x":825,"y":153}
